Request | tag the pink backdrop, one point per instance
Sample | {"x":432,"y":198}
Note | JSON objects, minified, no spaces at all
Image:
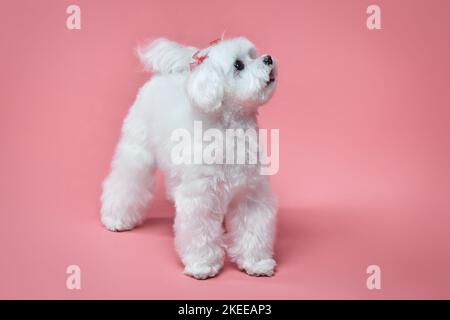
{"x":364,"y":158}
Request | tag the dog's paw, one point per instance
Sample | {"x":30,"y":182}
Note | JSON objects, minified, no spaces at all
{"x":202,"y":271}
{"x":118,"y":224}
{"x":264,"y":267}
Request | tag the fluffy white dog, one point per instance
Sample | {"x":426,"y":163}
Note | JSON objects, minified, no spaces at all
{"x":222,"y":86}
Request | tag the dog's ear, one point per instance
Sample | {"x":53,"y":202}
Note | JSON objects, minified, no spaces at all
{"x":205,"y":87}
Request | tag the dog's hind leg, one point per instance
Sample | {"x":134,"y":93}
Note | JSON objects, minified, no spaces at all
{"x":128,"y":189}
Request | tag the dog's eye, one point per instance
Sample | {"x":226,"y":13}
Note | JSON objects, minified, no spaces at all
{"x":239,"y":65}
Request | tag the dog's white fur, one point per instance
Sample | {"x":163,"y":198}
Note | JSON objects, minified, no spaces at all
{"x":206,"y":197}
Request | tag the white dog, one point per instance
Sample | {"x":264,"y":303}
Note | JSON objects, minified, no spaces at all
{"x":218,"y":206}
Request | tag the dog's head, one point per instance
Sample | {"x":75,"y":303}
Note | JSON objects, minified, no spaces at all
{"x":232,"y":75}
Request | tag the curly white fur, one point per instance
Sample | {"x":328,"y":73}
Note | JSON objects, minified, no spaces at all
{"x":209,"y":199}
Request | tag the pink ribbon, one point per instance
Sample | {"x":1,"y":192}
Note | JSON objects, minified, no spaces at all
{"x":198,"y":59}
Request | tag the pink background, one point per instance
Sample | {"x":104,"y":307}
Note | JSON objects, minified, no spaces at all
{"x":365,"y":147}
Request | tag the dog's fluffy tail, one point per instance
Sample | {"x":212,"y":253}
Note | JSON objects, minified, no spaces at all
{"x":165,"y":56}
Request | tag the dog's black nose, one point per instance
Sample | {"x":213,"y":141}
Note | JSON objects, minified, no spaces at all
{"x":268,"y":60}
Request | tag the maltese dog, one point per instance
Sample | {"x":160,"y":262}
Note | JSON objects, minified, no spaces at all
{"x":219,"y":207}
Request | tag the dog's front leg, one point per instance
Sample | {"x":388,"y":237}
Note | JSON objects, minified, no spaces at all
{"x":251,"y":231}
{"x":198,"y":230}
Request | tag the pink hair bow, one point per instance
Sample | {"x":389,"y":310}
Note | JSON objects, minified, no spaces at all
{"x":198,"y":59}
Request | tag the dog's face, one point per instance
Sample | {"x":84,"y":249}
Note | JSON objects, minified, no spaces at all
{"x":232,"y":76}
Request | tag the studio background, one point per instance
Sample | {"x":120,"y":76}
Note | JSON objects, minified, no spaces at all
{"x":364,"y":173}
